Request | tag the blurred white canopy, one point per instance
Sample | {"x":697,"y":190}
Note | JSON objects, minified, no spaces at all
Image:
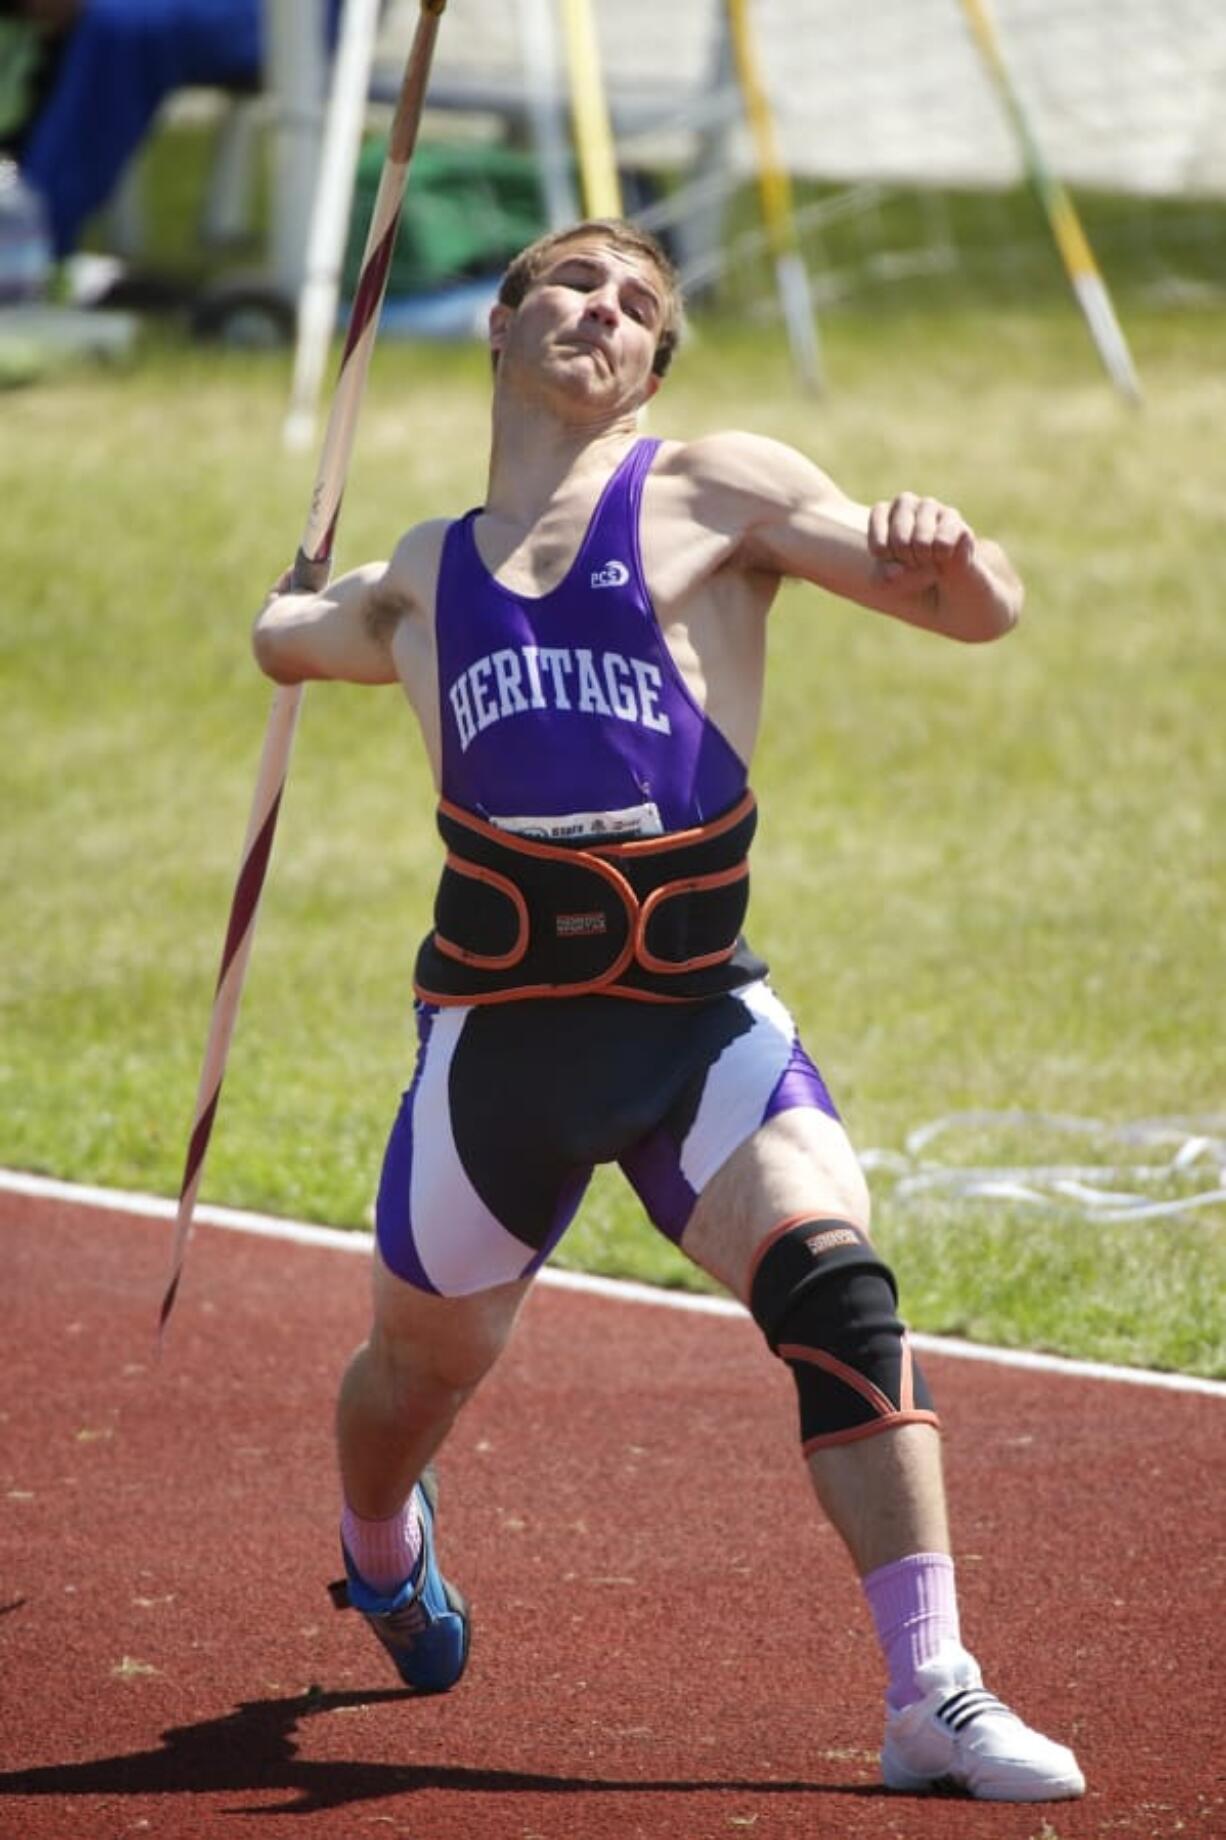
{"x":1126,"y":95}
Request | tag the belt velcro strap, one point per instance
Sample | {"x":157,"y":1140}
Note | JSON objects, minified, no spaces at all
{"x":518,"y":917}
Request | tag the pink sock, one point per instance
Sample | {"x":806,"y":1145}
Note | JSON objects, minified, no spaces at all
{"x":384,"y":1552}
{"x":915,"y":1607}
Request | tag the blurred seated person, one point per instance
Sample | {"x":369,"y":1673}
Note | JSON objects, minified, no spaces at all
{"x":92,"y":75}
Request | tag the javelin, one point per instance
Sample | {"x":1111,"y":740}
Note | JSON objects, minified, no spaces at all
{"x":312,"y":567}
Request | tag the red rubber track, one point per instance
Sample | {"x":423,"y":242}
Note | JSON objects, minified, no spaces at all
{"x":667,"y":1641}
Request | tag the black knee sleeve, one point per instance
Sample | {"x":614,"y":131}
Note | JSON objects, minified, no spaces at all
{"x":826,"y":1304}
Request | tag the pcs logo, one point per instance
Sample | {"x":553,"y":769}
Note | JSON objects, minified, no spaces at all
{"x":612,"y":575}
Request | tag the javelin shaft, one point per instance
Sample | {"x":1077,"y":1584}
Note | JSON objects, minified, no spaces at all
{"x":338,"y":162}
{"x":311,"y":570}
{"x":316,"y":548}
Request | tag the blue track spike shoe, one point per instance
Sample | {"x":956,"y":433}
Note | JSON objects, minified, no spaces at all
{"x":959,"y":1738}
{"x":425,"y":1625}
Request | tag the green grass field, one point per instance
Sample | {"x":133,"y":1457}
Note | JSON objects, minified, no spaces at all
{"x":985,"y":879}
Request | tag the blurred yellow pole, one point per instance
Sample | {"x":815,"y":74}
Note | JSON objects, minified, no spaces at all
{"x":590,"y":112}
{"x":775,"y":190}
{"x":1070,"y":239}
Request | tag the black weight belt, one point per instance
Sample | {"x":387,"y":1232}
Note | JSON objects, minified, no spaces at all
{"x":657,"y":918}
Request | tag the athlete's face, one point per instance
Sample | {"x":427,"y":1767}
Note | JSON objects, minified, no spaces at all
{"x":589,"y":326}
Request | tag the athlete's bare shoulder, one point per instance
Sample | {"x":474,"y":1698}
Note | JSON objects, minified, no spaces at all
{"x":408,"y":585}
{"x":719,"y":491}
{"x":719,"y":451}
{"x":737,"y":460}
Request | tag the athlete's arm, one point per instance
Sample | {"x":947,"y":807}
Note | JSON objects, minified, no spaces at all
{"x":344,"y":634}
{"x":335,"y":635}
{"x":913,"y":558}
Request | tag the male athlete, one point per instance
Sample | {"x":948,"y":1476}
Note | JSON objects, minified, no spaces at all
{"x":584,"y":654}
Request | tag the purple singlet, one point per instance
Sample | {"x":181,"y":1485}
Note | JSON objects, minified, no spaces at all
{"x":564,"y":718}
{"x":563,"y":714}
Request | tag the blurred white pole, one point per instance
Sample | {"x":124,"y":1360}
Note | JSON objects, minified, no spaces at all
{"x":330,"y":216}
{"x":295,"y":74}
{"x":538,"y":52}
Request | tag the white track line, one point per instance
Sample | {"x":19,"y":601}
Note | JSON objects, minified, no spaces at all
{"x":157,"y":1207}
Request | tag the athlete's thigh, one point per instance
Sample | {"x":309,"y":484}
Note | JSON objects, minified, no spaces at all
{"x":800,"y":1162}
{"x":452,"y":1341}
{"x":475,"y":1190}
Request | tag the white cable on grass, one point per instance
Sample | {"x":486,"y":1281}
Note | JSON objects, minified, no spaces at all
{"x":1108,"y":1191}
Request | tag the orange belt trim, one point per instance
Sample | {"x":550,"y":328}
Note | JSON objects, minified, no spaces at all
{"x":595,"y":858}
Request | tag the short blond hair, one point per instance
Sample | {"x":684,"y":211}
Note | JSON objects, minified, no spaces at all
{"x":529,"y":265}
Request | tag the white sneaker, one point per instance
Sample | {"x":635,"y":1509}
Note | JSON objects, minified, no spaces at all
{"x":957,"y":1736}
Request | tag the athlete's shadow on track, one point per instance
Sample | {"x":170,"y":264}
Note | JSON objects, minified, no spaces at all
{"x":253,"y":1748}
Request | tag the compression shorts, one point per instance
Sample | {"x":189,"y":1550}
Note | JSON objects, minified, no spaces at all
{"x":512,"y":1106}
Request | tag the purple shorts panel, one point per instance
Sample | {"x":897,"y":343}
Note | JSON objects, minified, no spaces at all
{"x":511,"y":1107}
